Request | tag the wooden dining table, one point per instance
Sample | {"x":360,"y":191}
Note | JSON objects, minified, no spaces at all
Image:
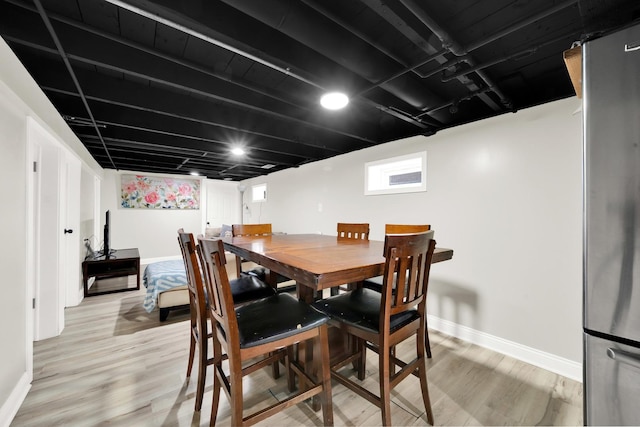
{"x":317,"y":261}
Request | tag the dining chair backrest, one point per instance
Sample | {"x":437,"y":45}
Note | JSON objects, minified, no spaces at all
{"x":353,"y":230}
{"x":406,"y":272}
{"x":251,"y":229}
{"x":406,"y":228}
{"x":194,"y":277}
{"x":199,"y":331}
{"x":220,"y":298}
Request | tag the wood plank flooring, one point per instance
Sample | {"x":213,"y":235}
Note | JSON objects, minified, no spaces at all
{"x":117,"y":365}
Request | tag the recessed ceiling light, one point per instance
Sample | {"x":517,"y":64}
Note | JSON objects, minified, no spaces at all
{"x":268,"y":166}
{"x":334,"y":100}
{"x":194,"y":173}
{"x":237,"y":151}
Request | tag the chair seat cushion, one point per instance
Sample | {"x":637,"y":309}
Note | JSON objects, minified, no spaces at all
{"x":261,"y":273}
{"x":361,"y":308}
{"x":278,"y":316}
{"x":247,"y":288}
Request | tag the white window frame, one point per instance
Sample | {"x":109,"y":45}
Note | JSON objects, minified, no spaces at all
{"x":377,"y":174}
{"x":259,"y":193}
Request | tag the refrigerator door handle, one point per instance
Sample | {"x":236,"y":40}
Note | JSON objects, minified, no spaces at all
{"x":624,"y":357}
{"x":630,"y":47}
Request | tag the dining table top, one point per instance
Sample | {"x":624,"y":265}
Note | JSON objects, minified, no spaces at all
{"x":317,"y":261}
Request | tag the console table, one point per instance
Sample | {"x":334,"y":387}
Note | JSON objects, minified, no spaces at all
{"x":122,"y":262}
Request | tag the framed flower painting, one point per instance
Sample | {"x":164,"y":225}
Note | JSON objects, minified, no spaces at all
{"x":147,"y":192}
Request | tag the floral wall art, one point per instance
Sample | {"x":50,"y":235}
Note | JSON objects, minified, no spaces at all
{"x":148,"y":192}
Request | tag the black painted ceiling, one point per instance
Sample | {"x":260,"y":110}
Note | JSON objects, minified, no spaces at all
{"x":170,"y":86}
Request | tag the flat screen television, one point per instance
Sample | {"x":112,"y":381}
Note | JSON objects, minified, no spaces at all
{"x":106,"y":247}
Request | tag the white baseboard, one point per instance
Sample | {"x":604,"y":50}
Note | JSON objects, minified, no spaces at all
{"x":10,"y":407}
{"x":559,"y":365}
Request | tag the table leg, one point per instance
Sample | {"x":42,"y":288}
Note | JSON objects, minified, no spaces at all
{"x":305,"y":293}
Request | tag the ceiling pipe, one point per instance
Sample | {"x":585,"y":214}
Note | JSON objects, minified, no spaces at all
{"x":517,"y":56}
{"x":161,"y":15}
{"x":157,"y":17}
{"x":457,"y":49}
{"x":407,"y":67}
{"x":365,"y":63}
{"x":67,"y":64}
{"x":402,"y":72}
{"x":453,"y":76}
{"x":448,"y":42}
{"x":154,"y":52}
{"x":456,"y":102}
{"x":386,"y":11}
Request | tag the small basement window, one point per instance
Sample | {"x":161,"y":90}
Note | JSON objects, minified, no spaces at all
{"x":259,"y":193}
{"x":402,"y":174}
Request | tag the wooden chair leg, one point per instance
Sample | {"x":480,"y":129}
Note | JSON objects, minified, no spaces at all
{"x":384,"y":361}
{"x":216,"y":400}
{"x":424,"y":386}
{"x":236,"y":392}
{"x":202,"y":372}
{"x":361,"y":347}
{"x":321,"y":356}
{"x":217,"y":385}
{"x":427,"y":343}
{"x":275,"y":369}
{"x":192,"y":350}
{"x":291,"y":378}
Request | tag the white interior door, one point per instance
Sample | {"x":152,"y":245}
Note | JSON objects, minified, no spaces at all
{"x":223,"y":204}
{"x":70,"y":284}
{"x":49,"y":322}
{"x":54,"y":259}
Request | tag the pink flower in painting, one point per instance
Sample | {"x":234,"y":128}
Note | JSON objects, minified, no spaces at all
{"x":143,"y":185}
{"x":151,"y":198}
{"x":184,"y":189}
{"x":171,"y":197}
{"x":130,"y":187}
{"x":169,"y":182}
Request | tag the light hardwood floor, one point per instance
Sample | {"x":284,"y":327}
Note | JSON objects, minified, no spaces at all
{"x":114,"y":364}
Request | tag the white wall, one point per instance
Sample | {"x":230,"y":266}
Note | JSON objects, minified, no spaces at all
{"x":153,"y":231}
{"x":504,"y":193}
{"x":20,"y":97}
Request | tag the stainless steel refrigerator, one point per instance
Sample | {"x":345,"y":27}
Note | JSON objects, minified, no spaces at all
{"x":611,"y":112}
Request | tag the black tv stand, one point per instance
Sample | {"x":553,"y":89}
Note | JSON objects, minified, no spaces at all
{"x":118,"y":263}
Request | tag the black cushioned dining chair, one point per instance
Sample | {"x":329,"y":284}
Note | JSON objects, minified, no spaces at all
{"x":250,"y":230}
{"x":382,"y":320}
{"x":346,"y":230}
{"x":243,"y":289}
{"x":252,"y":335}
{"x":375,"y":283}
{"x":259,"y":271}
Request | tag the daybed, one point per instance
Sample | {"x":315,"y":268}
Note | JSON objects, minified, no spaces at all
{"x":166,"y":284}
{"x":166,"y":281}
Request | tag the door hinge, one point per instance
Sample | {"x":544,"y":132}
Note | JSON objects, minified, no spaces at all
{"x":33,"y":303}
{"x":35,"y":166}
